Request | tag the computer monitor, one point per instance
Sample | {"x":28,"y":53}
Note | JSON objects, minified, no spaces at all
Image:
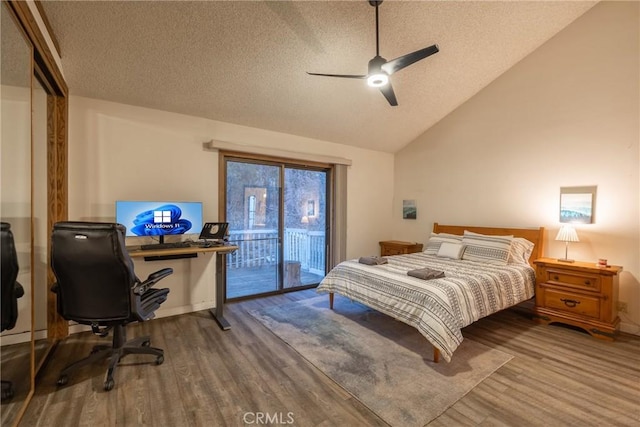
{"x":159,"y":219}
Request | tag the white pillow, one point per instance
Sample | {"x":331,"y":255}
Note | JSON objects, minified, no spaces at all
{"x":434,"y":242}
{"x":520,"y":251}
{"x":450,"y":250}
{"x":486,"y":248}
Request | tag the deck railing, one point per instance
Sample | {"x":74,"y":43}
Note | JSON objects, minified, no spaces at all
{"x":258,"y":248}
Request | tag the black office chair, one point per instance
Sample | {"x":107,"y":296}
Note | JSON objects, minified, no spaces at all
{"x":96,"y":286}
{"x":11,"y":289}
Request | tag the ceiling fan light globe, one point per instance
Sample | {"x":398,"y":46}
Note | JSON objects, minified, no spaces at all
{"x":377,"y":80}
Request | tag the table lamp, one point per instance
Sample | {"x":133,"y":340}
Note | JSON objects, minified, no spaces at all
{"x":567,"y":234}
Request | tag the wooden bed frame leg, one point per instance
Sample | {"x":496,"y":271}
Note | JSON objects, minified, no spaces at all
{"x":436,"y":355}
{"x":331,"y":300}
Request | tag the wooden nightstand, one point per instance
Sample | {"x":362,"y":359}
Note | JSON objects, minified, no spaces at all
{"x":579,"y":294}
{"x":396,"y":247}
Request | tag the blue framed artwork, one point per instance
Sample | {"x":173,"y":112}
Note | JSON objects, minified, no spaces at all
{"x":577,"y":204}
{"x":409,"y":210}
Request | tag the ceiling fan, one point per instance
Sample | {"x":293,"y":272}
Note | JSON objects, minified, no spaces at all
{"x":380,"y":69}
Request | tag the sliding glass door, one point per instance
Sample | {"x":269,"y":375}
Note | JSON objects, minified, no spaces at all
{"x":277,"y":218}
{"x":252,"y":211}
{"x":305,"y":226}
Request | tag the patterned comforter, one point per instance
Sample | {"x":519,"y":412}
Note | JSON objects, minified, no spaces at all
{"x":438,"y":308}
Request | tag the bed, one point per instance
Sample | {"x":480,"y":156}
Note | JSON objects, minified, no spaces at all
{"x":485,"y":280}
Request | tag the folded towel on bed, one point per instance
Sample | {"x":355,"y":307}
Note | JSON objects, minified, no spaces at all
{"x":426,"y":273}
{"x":372,"y":260}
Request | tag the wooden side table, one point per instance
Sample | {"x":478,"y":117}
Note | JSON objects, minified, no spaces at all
{"x":579,"y":294}
{"x":397,"y":247}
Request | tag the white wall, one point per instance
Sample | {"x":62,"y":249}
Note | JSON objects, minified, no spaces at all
{"x":566,"y":115}
{"x":120,"y":152}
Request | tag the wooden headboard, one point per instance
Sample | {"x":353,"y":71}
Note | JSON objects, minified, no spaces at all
{"x":534,"y":235}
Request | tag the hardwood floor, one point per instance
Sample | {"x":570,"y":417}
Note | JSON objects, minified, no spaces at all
{"x":247,"y":376}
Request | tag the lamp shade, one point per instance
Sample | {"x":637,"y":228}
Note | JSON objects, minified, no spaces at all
{"x":567,"y":234}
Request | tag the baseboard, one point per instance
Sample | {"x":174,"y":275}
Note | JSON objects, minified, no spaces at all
{"x":75,"y":328}
{"x":174,"y":311}
{"x":629,"y":328}
{"x":10,"y":339}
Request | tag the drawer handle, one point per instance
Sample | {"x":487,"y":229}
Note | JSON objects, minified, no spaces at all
{"x":570,"y":302}
{"x":586,"y":282}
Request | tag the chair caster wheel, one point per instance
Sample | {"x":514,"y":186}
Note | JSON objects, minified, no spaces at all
{"x":146,"y":343}
{"x":108,"y":384}
{"x":62,"y":380}
{"x":159,"y":360}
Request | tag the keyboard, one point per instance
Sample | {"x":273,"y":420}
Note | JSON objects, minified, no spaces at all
{"x":175,"y":245}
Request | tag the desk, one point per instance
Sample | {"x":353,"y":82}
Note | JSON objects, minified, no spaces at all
{"x":221,"y":279}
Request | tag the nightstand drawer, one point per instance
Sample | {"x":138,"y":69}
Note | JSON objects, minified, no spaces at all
{"x":582,"y":305}
{"x":574,"y":280}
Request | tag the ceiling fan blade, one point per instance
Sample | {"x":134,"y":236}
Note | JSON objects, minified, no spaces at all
{"x":405,"y":60}
{"x":387,"y":91}
{"x":346,"y":76}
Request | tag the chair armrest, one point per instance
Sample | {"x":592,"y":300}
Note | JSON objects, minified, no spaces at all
{"x":19,"y":290}
{"x":141,"y":288}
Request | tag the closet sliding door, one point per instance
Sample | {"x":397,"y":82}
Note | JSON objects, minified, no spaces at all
{"x":33,"y":188}
{"x":16,"y":342}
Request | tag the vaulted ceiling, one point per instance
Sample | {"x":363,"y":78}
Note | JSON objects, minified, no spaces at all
{"x":245,"y":62}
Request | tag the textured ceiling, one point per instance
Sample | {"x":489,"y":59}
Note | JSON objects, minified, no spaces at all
{"x":245,"y":62}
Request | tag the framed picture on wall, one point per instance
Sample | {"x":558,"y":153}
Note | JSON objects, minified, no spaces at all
{"x":577,"y":204}
{"x":409,"y":210}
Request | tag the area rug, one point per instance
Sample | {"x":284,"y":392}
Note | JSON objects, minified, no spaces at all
{"x":382,"y":362}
